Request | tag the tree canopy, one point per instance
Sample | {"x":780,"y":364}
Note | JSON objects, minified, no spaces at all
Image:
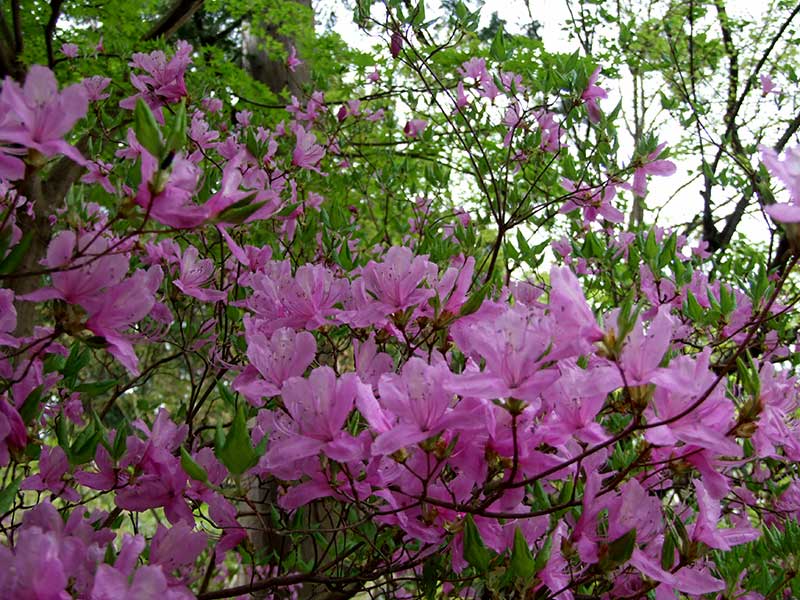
{"x":285,"y":318}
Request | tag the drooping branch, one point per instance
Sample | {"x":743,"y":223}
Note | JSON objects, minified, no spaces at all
{"x":180,"y":12}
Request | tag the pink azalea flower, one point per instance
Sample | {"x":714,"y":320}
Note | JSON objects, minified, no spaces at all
{"x":396,"y":44}
{"x":176,"y":547}
{"x":396,"y":281}
{"x":164,"y":82}
{"x":787,"y":169}
{"x":594,"y":202}
{"x":53,"y":466}
{"x":293,"y":62}
{"x":417,"y":401}
{"x":107,"y":477}
{"x":318,"y":407}
{"x":97,"y":269}
{"x":767,"y":85}
{"x":13,"y":434}
{"x":307,"y":153}
{"x":273,"y":361}
{"x":196,"y":273}
{"x":243,"y":117}
{"x":512,"y":120}
{"x":98,"y":173}
{"x":414,"y":128}
{"x":161,"y":485}
{"x":708,"y":518}
{"x":147,"y":582}
{"x":374,"y":76}
{"x":592,"y":94}
{"x":8,"y":318}
{"x":38,"y":116}
{"x":514,"y":347}
{"x":167,"y":195}
{"x":122,"y":305}
{"x":677,"y":387}
{"x":651,"y":166}
{"x":70,"y":50}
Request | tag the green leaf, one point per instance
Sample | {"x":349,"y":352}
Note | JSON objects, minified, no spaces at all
{"x":693,"y":308}
{"x":430,"y":577}
{"x":146,"y":129}
{"x":192,"y":468}
{"x":498,"y":48}
{"x":543,"y":555}
{"x":11,"y":262}
{"x":8,"y":494}
{"x":79,"y":357}
{"x":651,"y":246}
{"x":30,"y":408}
{"x":177,"y":134}
{"x":522,"y":563}
{"x":239,"y":212}
{"x":226,"y":395}
{"x":237,"y":452}
{"x":475,"y":552}
{"x":418,"y":16}
{"x":475,"y":300}
{"x":84,"y":447}
{"x":97,"y":387}
{"x":120,"y":444}
{"x":619,"y":551}
{"x":668,"y":552}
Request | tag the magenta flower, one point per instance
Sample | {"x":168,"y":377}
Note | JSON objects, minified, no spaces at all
{"x":176,"y":547}
{"x":147,"y":582}
{"x":70,"y":50}
{"x":414,"y":128}
{"x":107,"y":477}
{"x":196,"y":273}
{"x":273,"y":360}
{"x":318,"y":407}
{"x":13,"y":434}
{"x":396,"y":44}
{"x":418,"y":402}
{"x":293,"y":62}
{"x":787,"y":169}
{"x":514,"y":347}
{"x":677,"y":387}
{"x":95,"y":87}
{"x":651,"y":166}
{"x":121,"y":306}
{"x":53,"y":465}
{"x":161,"y":486}
{"x":37,"y":116}
{"x":594,"y":201}
{"x":767,"y":85}
{"x":592,"y":94}
{"x":164,"y":82}
{"x":396,"y":281}
{"x":307,"y":153}
{"x":97,"y":268}
{"x":709,"y":516}
{"x":167,"y":195}
{"x":8,"y":318}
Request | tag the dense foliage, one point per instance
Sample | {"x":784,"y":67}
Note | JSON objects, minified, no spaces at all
{"x":395,"y":338}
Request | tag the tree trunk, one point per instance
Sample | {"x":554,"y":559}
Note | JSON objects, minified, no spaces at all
{"x":272,"y":70}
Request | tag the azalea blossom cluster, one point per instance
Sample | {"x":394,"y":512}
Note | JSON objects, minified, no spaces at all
{"x":429,"y":411}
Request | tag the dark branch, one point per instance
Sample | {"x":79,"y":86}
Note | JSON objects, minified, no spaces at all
{"x":50,"y":29}
{"x":180,"y":12}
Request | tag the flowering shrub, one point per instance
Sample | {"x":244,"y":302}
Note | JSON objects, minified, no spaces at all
{"x":223,"y":374}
